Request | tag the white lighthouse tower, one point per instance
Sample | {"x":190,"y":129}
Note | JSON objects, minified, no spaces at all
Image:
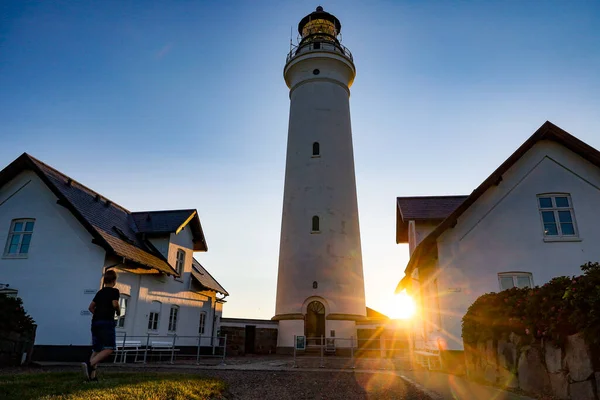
{"x":320,"y":284}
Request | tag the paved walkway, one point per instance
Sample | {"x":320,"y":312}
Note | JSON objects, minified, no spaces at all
{"x":453,"y":387}
{"x":437,"y":385}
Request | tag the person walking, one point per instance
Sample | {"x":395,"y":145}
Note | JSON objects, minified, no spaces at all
{"x":103,"y":308}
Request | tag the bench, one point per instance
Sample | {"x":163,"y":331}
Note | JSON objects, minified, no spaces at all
{"x":129,"y":346}
{"x":162,"y":347}
{"x":330,"y":346}
{"x":428,"y":356}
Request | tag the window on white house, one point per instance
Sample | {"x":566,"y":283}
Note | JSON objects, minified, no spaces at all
{"x":509,"y":280}
{"x":202,"y":323}
{"x":154,"y":316}
{"x":173,"y":318}
{"x":123,"y":302}
{"x":180,"y":261}
{"x":153,"y":321}
{"x":19,"y":238}
{"x":557,"y":215}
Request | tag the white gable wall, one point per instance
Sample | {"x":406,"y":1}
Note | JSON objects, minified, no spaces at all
{"x":502,"y":232}
{"x":168,"y":291}
{"x":61,"y":264}
{"x":417,"y":231}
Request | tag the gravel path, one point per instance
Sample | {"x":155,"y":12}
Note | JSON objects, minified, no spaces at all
{"x":296,"y":385}
{"x":267,"y":385}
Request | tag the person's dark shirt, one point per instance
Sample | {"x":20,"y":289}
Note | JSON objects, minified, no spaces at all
{"x":104,"y":309}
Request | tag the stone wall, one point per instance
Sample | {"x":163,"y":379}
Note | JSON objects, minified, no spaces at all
{"x":265,"y":341}
{"x":540,"y":368}
{"x":16,"y":348}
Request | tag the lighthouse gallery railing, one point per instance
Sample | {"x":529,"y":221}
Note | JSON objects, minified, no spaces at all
{"x":321,"y":45}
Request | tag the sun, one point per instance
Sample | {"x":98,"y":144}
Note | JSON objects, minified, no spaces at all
{"x":402,"y":306}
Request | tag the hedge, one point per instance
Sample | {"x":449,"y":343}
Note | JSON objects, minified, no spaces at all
{"x":562,"y":307}
{"x":13,"y":317}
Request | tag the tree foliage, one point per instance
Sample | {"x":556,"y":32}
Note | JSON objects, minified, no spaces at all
{"x":562,"y":307}
{"x":13,"y":317}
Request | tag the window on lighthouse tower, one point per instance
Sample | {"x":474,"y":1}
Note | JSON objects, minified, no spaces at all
{"x":315,"y":224}
{"x":316,"y":149}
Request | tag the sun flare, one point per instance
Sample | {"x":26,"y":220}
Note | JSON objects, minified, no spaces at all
{"x":402,"y":307}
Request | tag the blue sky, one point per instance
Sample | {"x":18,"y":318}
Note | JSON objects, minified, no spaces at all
{"x":182,"y":104}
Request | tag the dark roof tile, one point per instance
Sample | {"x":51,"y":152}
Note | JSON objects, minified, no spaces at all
{"x":113,"y":227}
{"x":168,"y":221}
{"x":423,"y":208}
{"x":428,"y":207}
{"x":206,"y":279}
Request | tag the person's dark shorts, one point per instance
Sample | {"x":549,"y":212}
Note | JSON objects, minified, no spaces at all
{"x":103,"y":335}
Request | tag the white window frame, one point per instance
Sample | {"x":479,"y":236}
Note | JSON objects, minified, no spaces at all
{"x":154,"y":323}
{"x":180,"y":262}
{"x":173,"y":318}
{"x":202,"y":323}
{"x":123,"y":304}
{"x":555,"y":210}
{"x":22,"y":234}
{"x":514,"y":276}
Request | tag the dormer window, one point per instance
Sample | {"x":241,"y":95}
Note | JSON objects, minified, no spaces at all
{"x":19,"y":238}
{"x":180,"y":261}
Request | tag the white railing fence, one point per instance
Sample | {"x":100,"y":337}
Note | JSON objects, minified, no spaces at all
{"x":350,"y":350}
{"x":171,"y":348}
{"x":427,"y":353}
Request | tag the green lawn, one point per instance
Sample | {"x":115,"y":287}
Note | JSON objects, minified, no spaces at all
{"x":119,"y":385}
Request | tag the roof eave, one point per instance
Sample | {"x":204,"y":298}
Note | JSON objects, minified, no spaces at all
{"x":28,"y":162}
{"x":401,"y":226}
{"x":172,"y":271}
{"x":547,"y":131}
{"x":210,"y":289}
{"x":199,"y":238}
{"x":402,"y":284}
{"x":199,"y":241}
{"x":224,"y":291}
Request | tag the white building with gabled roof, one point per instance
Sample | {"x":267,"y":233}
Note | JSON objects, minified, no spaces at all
{"x":534,"y":218}
{"x":59,"y":237}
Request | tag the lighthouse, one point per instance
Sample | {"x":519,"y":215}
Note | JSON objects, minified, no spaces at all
{"x":320,"y":283}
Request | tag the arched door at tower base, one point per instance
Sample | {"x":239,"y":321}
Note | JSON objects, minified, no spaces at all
{"x":314,"y":322}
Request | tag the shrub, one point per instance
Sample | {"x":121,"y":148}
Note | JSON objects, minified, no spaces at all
{"x":13,"y":317}
{"x":559,"y":308}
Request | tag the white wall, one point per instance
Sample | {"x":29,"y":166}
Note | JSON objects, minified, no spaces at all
{"x":242,"y":323}
{"x":170,"y":291}
{"x":417,"y":231}
{"x":61,"y":264}
{"x":287,"y":330}
{"x":344,"y":330}
{"x":503,"y":232}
